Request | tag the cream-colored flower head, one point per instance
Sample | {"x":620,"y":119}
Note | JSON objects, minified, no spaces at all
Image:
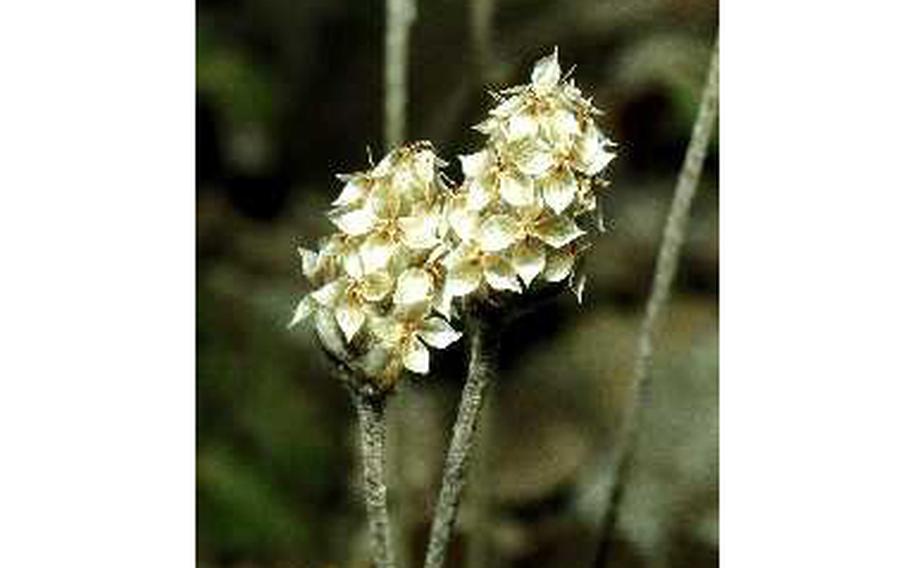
{"x":517,"y":217}
{"x":377,"y":301}
{"x":407,"y":247}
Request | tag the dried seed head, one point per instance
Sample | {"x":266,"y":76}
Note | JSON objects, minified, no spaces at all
{"x":377,"y":281}
{"x":527,"y":192}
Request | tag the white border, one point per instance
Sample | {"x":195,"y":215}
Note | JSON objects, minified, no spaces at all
{"x":96,"y":408}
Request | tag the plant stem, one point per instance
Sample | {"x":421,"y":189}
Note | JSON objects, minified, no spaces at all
{"x":477,"y":554}
{"x":400,"y":14}
{"x":480,"y":370}
{"x":665,"y":271}
{"x":481,"y":26}
{"x":371,"y":418}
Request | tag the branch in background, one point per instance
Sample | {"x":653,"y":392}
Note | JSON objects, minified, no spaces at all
{"x":482,"y":38}
{"x":488,"y":71}
{"x":665,"y":271}
{"x":371,"y":419}
{"x":480,"y":370}
{"x":400,"y":14}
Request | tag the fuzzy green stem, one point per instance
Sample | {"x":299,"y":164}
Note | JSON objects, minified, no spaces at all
{"x":665,"y":271}
{"x":371,"y":419}
{"x":480,"y":371}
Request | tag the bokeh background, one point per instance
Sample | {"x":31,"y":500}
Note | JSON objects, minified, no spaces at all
{"x":289,"y":92}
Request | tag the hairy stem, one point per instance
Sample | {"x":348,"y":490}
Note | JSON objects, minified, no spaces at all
{"x":371,"y":418}
{"x":477,"y":554}
{"x":665,"y":271}
{"x":480,"y":370}
{"x":400,"y":14}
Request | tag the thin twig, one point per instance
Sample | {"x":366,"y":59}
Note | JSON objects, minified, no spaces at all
{"x":481,"y":12}
{"x":400,"y":14}
{"x":665,"y":271}
{"x":371,"y":418}
{"x":480,"y":370}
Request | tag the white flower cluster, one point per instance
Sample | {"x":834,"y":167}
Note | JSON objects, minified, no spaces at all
{"x":408,"y":246}
{"x":377,"y":279}
{"x":516,"y":215}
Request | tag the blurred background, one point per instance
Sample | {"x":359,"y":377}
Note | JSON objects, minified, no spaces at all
{"x":290,"y":93}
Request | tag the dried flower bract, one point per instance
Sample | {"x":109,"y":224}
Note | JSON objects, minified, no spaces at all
{"x":377,"y":281}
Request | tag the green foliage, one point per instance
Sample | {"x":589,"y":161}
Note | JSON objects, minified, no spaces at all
{"x":266,"y":467}
{"x":245,"y":514}
{"x":243,"y":89}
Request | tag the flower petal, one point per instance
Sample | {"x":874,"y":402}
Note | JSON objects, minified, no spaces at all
{"x":462,"y":219}
{"x":352,"y":264}
{"x":376,"y":251}
{"x":545,"y":75}
{"x":487,"y":127}
{"x":532,"y":159}
{"x":559,"y":190}
{"x":474,"y":164}
{"x":516,"y":190}
{"x":591,"y":157}
{"x":498,"y":232}
{"x":529,"y":259}
{"x":376,"y":286}
{"x":384,"y":167}
{"x":304,"y":310}
{"x":354,"y":222}
{"x":521,"y":125}
{"x":464,"y":279}
{"x":436,"y":332}
{"x":424,"y":164}
{"x":384,"y":201}
{"x":387,"y":330}
{"x":329,"y":334}
{"x":405,"y":182}
{"x":419,"y":231}
{"x":415,"y":356}
{"x":562,"y":127}
{"x":557,"y":231}
{"x":354,"y":191}
{"x":329,"y":294}
{"x":499,"y":274}
{"x":350,"y":318}
{"x":443,"y":301}
{"x":559,"y":265}
{"x":414,"y":286}
{"x":480,"y":192}
{"x":509,"y":107}
{"x":309,"y":261}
